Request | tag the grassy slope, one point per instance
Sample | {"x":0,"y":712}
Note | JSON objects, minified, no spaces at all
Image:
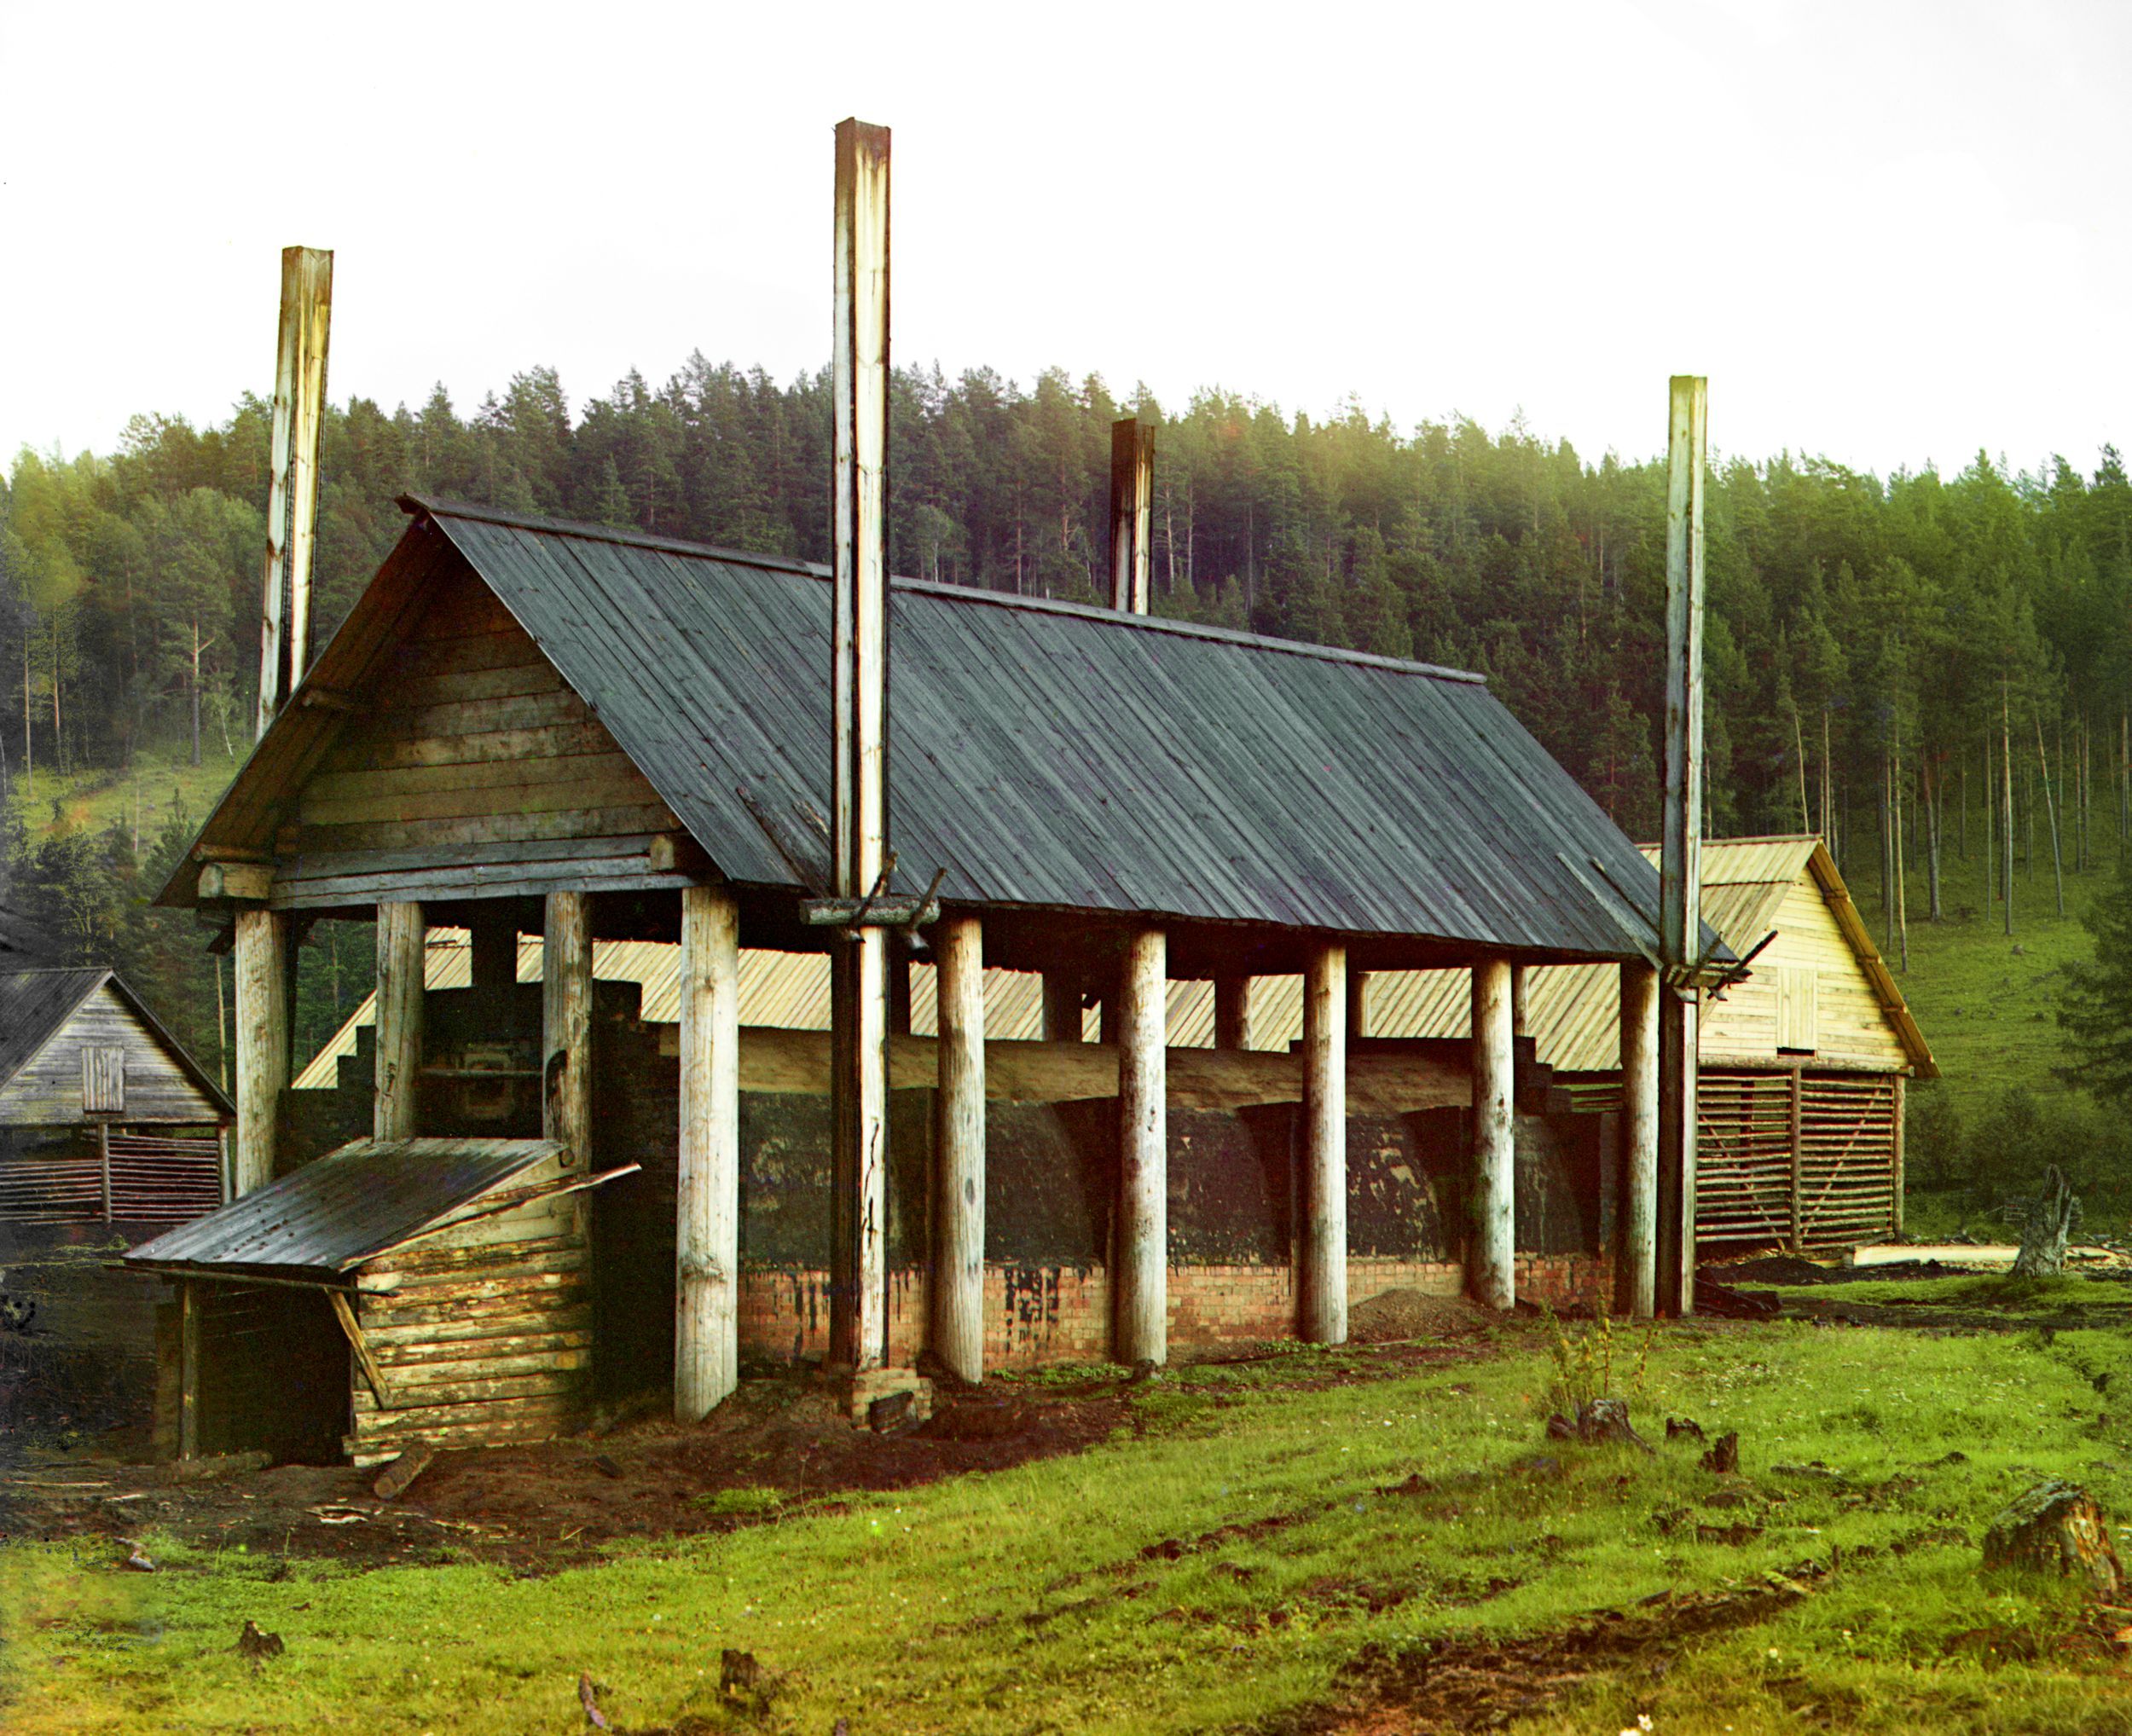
{"x":1021,"y":1602}
{"x":163,"y":780}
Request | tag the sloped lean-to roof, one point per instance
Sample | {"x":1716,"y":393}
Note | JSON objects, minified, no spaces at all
{"x":329,"y":1217}
{"x":1042,"y":754}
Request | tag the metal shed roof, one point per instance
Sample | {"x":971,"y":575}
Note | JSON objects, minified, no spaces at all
{"x":330,"y":1215}
{"x":1043,"y":754}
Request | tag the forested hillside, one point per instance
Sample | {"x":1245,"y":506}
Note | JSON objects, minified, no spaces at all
{"x":1867,"y":636}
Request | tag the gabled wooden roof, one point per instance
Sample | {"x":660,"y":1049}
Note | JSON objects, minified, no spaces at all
{"x":1042,"y":754}
{"x":36,"y":1005}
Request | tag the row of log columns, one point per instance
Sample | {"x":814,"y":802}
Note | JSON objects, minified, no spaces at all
{"x":1322,"y":1274}
{"x":401,"y":952}
{"x":957,"y":1297}
{"x":1140,"y":1274}
{"x":262,"y":1042}
{"x":707,"y":1182}
{"x":1635,"y":1276}
{"x":1492,"y":1242}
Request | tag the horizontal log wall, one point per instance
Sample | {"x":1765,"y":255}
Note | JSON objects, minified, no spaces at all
{"x":480,"y":1344}
{"x":472,"y":739}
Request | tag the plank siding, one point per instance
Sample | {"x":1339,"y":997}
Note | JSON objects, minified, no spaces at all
{"x":474,"y":739}
{"x":47,"y":1090}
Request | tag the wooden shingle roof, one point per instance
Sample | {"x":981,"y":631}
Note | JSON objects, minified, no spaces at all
{"x":1042,"y":754}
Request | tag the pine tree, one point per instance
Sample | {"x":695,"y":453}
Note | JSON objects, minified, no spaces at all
{"x":2096,"y":1013}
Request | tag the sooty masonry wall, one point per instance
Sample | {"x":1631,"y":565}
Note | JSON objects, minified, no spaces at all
{"x":1051,"y":1182}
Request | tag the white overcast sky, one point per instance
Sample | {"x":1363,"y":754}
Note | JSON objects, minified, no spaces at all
{"x":1890,"y":233}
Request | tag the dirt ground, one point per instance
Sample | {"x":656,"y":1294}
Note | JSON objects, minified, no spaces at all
{"x":2011,"y":1315}
{"x":538,"y":1507}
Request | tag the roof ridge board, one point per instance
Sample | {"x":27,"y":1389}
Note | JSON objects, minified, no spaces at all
{"x":437,"y":507}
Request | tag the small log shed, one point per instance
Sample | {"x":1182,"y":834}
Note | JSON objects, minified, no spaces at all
{"x":453,"y":1270}
{"x":588,"y":734}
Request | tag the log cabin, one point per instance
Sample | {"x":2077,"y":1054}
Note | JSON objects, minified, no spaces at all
{"x":108,"y":1130}
{"x":531,"y":727}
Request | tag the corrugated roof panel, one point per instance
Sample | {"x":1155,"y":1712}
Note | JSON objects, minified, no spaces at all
{"x":330,"y":1215}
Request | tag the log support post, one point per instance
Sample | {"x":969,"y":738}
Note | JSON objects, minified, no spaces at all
{"x":1492,"y":1242}
{"x":1131,"y":512}
{"x":1680,"y":853}
{"x":1062,"y":1008}
{"x":396,"y":1103}
{"x":858,"y":783}
{"x":1232,"y":1011}
{"x":295,"y":433}
{"x":1902,"y":1095}
{"x":957,"y":1298}
{"x":1357,"y":1004}
{"x":566,"y":1027}
{"x":262,"y":1042}
{"x":189,"y":1358}
{"x":1797,"y":1119}
{"x":707,"y":1184}
{"x":1636,"y":1277}
{"x":1521,"y":1017}
{"x":1322,"y":1278}
{"x":1141,"y":1274}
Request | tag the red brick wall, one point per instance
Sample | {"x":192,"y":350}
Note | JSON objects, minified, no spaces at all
{"x":1060,"y":1314}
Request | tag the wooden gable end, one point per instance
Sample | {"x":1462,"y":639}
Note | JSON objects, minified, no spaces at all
{"x":1810,"y":966}
{"x":101,"y":1040}
{"x":464,"y":737}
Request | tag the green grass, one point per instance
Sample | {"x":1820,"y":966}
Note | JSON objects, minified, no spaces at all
{"x":163,"y":780}
{"x":1988,"y":1012}
{"x":1041,"y":1599}
{"x":1997,"y":1290}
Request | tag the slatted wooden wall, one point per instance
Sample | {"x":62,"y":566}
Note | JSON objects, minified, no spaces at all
{"x":1749,"y":1191}
{"x":155,"y":1178}
{"x":471,"y":737}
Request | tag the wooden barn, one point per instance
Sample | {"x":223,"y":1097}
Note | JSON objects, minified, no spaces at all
{"x":103,"y":1117}
{"x":531,"y":727}
{"x":108,"y":1129}
{"x":1803,"y":1063}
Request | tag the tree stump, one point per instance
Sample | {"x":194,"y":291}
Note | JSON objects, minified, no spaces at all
{"x":2055,"y":1529}
{"x":2046,"y":1224}
{"x":1599,"y":1422}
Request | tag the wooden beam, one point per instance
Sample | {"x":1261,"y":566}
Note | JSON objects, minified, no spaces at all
{"x":252,"y":880}
{"x":1901,"y":1095}
{"x":566,"y":1027}
{"x":345,"y":1312}
{"x":1141,"y":1274}
{"x":858,"y":818}
{"x":1680,"y":857}
{"x":1322,"y":1247}
{"x":1491,"y":1250}
{"x":299,"y":412}
{"x":1797,"y":1133}
{"x":188,"y":1353}
{"x":396,"y":1102}
{"x":1062,"y":1008}
{"x":707,"y":1185}
{"x":1635,"y":1276}
{"x":262,"y":1041}
{"x":1521,"y":1017}
{"x":957,"y":1335}
{"x":493,"y":933}
{"x":1131,"y":512}
{"x":1232,"y":1011}
{"x":1359,"y":1003}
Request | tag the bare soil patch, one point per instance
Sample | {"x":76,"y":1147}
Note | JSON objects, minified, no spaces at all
{"x":1393,"y":1316}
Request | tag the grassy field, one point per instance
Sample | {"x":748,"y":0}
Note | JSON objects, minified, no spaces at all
{"x":162,"y":781}
{"x":1241,"y":1563}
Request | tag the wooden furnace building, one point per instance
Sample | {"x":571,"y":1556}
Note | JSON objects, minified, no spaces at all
{"x":533,"y":728}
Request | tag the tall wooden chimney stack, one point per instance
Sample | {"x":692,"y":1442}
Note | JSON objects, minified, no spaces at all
{"x":299,"y":418}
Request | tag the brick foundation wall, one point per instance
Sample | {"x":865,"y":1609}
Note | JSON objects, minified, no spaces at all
{"x":1039,"y":1315}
